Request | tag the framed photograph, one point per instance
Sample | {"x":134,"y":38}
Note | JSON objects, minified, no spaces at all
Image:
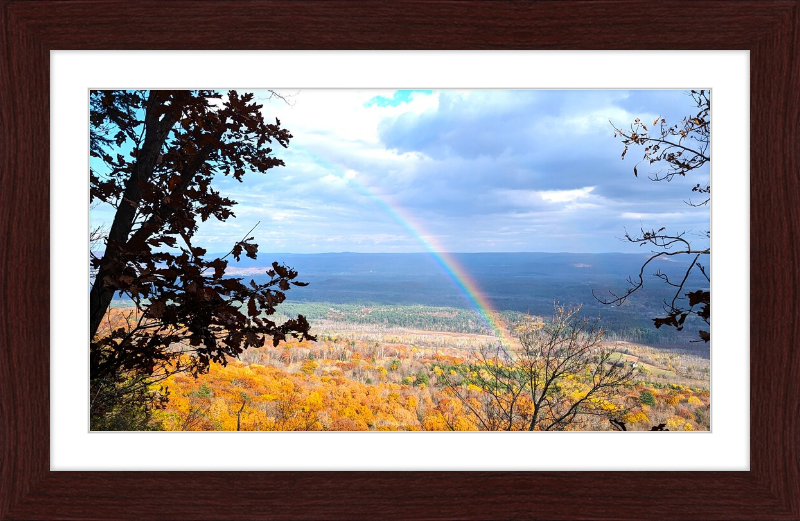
{"x":457,"y":297}
{"x":37,"y":485}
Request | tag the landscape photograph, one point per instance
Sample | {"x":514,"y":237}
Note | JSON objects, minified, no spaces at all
{"x":400,"y":260}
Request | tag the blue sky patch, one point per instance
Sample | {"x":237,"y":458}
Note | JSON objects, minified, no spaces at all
{"x":400,"y":96}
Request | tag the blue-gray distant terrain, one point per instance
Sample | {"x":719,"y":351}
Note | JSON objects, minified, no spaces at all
{"x":524,"y":282}
{"x":513,"y":282}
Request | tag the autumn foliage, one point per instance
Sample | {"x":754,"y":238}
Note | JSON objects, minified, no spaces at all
{"x":341,"y":384}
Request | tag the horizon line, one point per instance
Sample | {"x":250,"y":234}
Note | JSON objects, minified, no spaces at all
{"x":448,"y":252}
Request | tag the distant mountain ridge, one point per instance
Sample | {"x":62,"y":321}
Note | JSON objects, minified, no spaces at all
{"x":523,"y":282}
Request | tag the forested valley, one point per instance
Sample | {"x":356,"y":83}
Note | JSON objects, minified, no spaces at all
{"x":396,"y":368}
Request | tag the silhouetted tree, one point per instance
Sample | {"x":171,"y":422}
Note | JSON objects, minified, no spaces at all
{"x":681,"y":149}
{"x":155,"y":154}
{"x":558,"y":377}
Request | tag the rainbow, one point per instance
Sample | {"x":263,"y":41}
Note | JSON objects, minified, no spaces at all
{"x":445,"y":261}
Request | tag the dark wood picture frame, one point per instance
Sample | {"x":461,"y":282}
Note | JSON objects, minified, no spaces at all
{"x":769,"y":29}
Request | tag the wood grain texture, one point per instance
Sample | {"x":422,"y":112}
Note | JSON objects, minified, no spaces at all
{"x":770,"y":29}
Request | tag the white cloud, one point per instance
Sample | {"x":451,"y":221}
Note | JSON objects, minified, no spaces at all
{"x":341,"y":113}
{"x":652,"y":216}
{"x":565,"y":196}
{"x":509,"y":170}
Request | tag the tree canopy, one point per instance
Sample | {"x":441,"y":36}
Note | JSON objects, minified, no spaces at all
{"x":154,"y":156}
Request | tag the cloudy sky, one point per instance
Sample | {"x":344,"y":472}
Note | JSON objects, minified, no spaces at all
{"x":457,"y":171}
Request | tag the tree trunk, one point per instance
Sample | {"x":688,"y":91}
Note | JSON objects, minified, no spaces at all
{"x":156,"y":132}
{"x":239,"y":417}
